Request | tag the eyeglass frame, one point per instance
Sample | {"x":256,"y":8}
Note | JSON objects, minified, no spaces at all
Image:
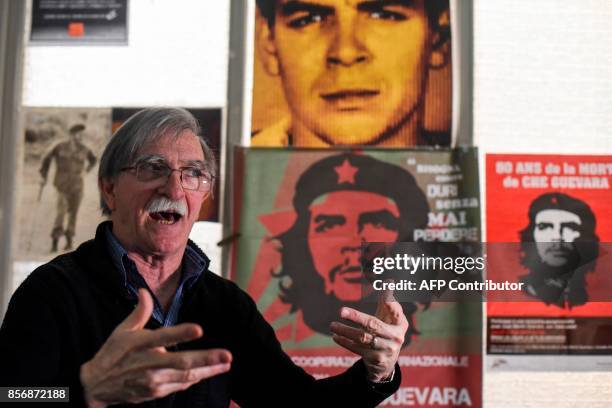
{"x":171,"y":170}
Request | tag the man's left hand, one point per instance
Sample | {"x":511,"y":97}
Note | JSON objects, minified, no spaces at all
{"x":379,"y":338}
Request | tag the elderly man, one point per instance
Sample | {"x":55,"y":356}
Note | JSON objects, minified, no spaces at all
{"x":559,"y":246}
{"x":354,"y":72}
{"x":135,"y":315}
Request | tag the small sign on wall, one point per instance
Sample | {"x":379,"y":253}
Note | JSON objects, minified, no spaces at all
{"x":68,"y":22}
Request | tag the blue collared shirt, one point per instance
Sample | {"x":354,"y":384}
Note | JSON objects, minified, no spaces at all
{"x":192,"y":266}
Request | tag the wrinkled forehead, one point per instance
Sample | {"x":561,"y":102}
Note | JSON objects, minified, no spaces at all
{"x":183,"y":146}
{"x":556,"y":216}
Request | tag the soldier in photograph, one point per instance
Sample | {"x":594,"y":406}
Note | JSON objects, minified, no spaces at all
{"x":71,"y":158}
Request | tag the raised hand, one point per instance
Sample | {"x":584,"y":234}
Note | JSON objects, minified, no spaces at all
{"x":378,"y":339}
{"x":133,"y":364}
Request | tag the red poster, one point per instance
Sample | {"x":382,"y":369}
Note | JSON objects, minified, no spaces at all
{"x":556,"y":211}
{"x":302,"y":216}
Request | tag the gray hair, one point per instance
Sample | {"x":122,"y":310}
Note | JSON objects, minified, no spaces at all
{"x":144,"y":127}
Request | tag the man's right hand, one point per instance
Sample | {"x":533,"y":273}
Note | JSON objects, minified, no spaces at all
{"x":133,"y":364}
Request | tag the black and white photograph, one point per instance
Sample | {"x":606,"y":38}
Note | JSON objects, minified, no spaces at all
{"x":60,"y":204}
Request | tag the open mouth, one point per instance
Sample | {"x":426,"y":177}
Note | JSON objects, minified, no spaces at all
{"x":165,"y":217}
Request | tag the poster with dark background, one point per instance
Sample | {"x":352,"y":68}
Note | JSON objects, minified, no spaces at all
{"x":69,"y":22}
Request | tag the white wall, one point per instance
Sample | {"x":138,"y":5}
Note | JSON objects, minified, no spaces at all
{"x":177,"y":55}
{"x":543,"y":76}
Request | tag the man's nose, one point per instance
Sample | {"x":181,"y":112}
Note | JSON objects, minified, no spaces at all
{"x":351,"y":254}
{"x":556,"y":234}
{"x":346,"y":45}
{"x":351,"y":250}
{"x":173,"y":187}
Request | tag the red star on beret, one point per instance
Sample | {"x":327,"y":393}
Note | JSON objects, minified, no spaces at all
{"x":346,"y":172}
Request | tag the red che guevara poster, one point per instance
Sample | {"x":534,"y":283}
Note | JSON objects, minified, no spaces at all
{"x":301,"y":216}
{"x":554,"y":214}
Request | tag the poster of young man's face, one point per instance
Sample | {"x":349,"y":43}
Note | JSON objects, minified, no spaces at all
{"x":555,"y":232}
{"x":303,"y":217}
{"x":335,"y":72}
{"x":547,"y":222}
{"x":559,"y":247}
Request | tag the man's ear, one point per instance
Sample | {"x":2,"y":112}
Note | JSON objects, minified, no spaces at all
{"x":267,"y":48}
{"x":107,"y":188}
{"x":441,"y":42}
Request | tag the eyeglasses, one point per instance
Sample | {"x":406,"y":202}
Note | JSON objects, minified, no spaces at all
{"x":192,"y":178}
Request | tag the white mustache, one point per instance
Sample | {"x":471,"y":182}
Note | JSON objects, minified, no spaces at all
{"x":163,"y":204}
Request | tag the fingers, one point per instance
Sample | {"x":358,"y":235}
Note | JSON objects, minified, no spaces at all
{"x":385,"y":296}
{"x":180,"y":360}
{"x":159,"y":383}
{"x":126,"y":341}
{"x":361,"y":336}
{"x":353,"y":333}
{"x":374,"y":325}
{"x":379,"y":360}
{"x":152,"y":373}
{"x":379,"y":339}
{"x":136,"y":355}
{"x":140,"y":315}
{"x":364,"y":344}
{"x":388,"y":309}
{"x":393,"y":314}
{"x":350,"y":345}
{"x":190,"y":376}
{"x":167,"y":336}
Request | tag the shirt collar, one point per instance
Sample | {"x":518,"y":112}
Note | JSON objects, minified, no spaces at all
{"x":194,"y":263}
